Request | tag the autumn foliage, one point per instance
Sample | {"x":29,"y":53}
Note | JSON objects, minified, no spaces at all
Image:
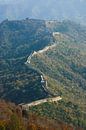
{"x":12,"y":118}
{"x":43,"y":123}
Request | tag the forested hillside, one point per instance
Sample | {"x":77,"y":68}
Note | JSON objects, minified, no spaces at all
{"x":12,"y":117}
{"x":62,"y":66}
{"x":18,"y":39}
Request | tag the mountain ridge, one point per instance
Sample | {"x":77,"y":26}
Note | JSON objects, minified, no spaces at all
{"x":59,"y":10}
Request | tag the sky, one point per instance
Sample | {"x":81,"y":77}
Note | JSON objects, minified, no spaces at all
{"x":43,"y":9}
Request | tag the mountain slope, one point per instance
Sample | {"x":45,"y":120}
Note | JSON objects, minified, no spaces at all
{"x":56,"y":66}
{"x":18,"y":39}
{"x":66,"y":64}
{"x":12,"y":117}
{"x":64,"y":68}
{"x":76,"y":32}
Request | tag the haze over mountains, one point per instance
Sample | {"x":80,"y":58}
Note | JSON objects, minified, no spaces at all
{"x":50,"y":9}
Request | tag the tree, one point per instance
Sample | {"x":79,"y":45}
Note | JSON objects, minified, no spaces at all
{"x":14,"y":123}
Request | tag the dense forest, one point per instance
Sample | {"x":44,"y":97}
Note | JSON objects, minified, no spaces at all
{"x":63,"y":67}
{"x":18,"y":39}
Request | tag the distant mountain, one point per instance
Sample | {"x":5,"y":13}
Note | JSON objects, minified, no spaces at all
{"x":41,"y":9}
